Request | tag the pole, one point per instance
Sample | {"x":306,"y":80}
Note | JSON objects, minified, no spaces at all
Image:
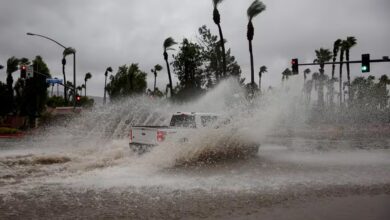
{"x":74,"y":62}
{"x":344,"y":62}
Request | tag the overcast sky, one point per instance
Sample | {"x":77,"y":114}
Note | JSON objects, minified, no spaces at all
{"x":116,"y":32}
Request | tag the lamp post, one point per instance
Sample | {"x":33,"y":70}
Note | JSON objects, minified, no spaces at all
{"x":67,"y":50}
{"x":109,"y":69}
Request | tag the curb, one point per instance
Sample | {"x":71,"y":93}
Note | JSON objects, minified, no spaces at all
{"x":17,"y":135}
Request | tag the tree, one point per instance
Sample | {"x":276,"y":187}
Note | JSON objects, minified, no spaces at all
{"x":308,"y":88}
{"x":305,"y":73}
{"x":254,"y":9}
{"x":263,"y":69}
{"x":382,"y":90}
{"x":286,"y":74}
{"x":343,"y":47}
{"x":69,"y":88}
{"x":349,"y":43}
{"x":128,"y":81}
{"x":67,"y":51}
{"x":210,"y":49}
{"x":156,"y":69}
{"x":3,"y":99}
{"x":336,"y":49}
{"x":12,"y":66}
{"x":86,"y":78}
{"x":188,"y":67}
{"x":315,"y":78}
{"x":217,"y":21}
{"x":80,"y":89}
{"x":168,"y":43}
{"x":32,"y":94}
{"x":323,"y":55}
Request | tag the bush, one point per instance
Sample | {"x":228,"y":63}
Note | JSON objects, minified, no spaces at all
{"x":8,"y":130}
{"x":56,"y":101}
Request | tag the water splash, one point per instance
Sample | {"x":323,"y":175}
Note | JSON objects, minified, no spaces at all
{"x":95,"y":145}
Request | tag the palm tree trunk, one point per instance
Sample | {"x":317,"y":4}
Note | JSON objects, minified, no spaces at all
{"x":65,"y":90}
{"x":260,"y":75}
{"x":252,"y":67}
{"x":223,"y":50}
{"x":169,"y":76}
{"x":348,"y":76}
{"x":348,"y":73}
{"x":105,"y":88}
{"x":85,"y":89}
{"x":155,"y":78}
{"x":331,"y":101}
{"x":321,"y":89}
{"x":341,"y":79}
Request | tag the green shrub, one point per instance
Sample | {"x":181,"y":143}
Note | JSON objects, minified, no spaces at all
{"x":8,"y":130}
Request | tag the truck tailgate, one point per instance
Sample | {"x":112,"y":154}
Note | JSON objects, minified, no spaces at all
{"x":143,"y":135}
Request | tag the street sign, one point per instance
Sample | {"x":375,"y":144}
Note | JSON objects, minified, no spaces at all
{"x":54,"y":81}
{"x":30,"y":72}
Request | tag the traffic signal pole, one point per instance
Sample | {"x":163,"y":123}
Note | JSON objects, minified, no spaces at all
{"x":344,"y":62}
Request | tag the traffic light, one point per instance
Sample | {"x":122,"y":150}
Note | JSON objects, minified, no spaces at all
{"x":78,"y":98}
{"x":366,"y":63}
{"x":23,"y":70}
{"x":294,"y":66}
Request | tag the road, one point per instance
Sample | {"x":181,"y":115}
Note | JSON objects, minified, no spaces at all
{"x":289,"y":178}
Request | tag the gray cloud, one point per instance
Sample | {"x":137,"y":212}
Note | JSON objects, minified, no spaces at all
{"x":113,"y":33}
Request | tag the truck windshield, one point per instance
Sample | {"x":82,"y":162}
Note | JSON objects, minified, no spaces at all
{"x":184,"y":121}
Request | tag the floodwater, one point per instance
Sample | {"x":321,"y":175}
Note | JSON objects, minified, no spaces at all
{"x":84,"y":169}
{"x":281,"y":181}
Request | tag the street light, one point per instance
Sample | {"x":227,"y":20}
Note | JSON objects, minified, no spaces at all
{"x":67,"y":50}
{"x":109,"y":69}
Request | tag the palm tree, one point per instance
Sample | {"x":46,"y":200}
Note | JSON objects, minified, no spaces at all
{"x":80,"y":88}
{"x":286,"y":73}
{"x":217,"y":21}
{"x":343,"y":47}
{"x":157,"y":67}
{"x":67,"y":51}
{"x":350,"y":42}
{"x":168,"y":43}
{"x":305,"y":73}
{"x":86,"y":78}
{"x":254,"y":9}
{"x":70,"y":88}
{"x":12,"y":66}
{"x":383,"y":82}
{"x":109,"y":69}
{"x":323,"y":55}
{"x":336,"y":49}
{"x":263,"y":69}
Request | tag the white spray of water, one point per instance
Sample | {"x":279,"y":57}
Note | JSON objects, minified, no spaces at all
{"x":97,"y":145}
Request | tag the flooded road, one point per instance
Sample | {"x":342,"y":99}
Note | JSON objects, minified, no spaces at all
{"x":289,"y":178}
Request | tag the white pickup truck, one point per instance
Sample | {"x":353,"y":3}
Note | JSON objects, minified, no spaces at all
{"x":142,"y":138}
{"x":180,"y":129}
